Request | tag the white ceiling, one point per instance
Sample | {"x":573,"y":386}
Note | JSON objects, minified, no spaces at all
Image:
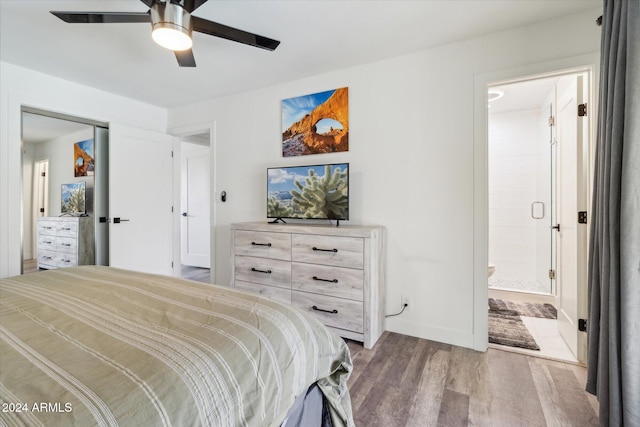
{"x":525,"y":95}
{"x":316,"y":37}
{"x":37,"y":128}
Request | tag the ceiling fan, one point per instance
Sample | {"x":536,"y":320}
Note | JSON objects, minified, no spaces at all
{"x":172,"y":25}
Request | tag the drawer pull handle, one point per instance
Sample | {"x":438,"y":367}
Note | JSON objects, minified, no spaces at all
{"x":260,"y":271}
{"x":334,"y":311}
{"x":261,"y":244}
{"x":324,"y":250}
{"x":48,"y":242}
{"x":325,"y":280}
{"x":66,"y":244}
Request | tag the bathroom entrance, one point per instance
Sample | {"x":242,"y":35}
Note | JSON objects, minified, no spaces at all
{"x":538,"y":167}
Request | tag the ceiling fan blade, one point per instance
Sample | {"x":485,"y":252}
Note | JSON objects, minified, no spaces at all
{"x":102,"y":17}
{"x":149,"y":3}
{"x":191,"y":5}
{"x":218,"y":30}
{"x":185,"y":58}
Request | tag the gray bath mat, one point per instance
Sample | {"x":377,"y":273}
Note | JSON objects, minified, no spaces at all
{"x":543,"y":311}
{"x":506,"y":328}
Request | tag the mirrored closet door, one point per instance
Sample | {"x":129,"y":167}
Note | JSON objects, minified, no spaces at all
{"x":64,"y":191}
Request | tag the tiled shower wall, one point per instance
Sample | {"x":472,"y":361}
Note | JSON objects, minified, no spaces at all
{"x":514,"y":164}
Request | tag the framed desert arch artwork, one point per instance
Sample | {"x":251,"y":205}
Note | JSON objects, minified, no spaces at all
{"x":83,"y":164}
{"x":316,"y":123}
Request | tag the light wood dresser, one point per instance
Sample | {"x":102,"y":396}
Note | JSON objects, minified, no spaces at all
{"x":65,"y":242}
{"x":336,"y":273}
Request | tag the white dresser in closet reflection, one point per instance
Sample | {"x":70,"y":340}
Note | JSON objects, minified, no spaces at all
{"x":65,"y":242}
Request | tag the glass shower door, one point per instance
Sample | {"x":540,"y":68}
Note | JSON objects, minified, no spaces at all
{"x":549,"y":226}
{"x":543,"y":209}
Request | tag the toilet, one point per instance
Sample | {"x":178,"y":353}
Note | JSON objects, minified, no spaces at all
{"x":491,"y":269}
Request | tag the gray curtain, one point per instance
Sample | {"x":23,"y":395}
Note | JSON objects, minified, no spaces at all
{"x":614,"y":249}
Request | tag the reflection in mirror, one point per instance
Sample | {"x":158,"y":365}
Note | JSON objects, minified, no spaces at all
{"x":50,"y":148}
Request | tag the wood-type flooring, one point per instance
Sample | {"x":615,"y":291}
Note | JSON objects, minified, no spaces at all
{"x":407,"y":381}
{"x":196,"y":273}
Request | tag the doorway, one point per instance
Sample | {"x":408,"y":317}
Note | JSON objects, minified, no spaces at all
{"x":195,"y":207}
{"x":537,"y":180}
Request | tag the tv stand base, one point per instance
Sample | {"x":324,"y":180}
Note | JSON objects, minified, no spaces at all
{"x":277,"y":220}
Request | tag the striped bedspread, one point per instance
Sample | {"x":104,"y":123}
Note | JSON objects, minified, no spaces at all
{"x":100,"y":346}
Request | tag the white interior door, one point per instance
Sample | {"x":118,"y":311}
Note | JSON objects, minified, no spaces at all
{"x":571,"y":197}
{"x":140,"y":200}
{"x":195,"y":206}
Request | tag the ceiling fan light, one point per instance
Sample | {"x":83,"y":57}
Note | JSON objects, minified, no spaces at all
{"x":172,"y":38}
{"x":171,"y":26}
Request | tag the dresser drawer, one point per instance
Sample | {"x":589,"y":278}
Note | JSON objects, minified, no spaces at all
{"x":275,"y":293}
{"x":336,"y":312}
{"x":47,"y":242}
{"x":67,"y":229}
{"x":65,"y":260}
{"x":264,"y":271}
{"x":67,"y":244}
{"x":263,"y":244}
{"x":328,"y":250}
{"x":48,"y":228}
{"x":46,"y":258}
{"x":54,"y":259}
{"x":339,"y":282}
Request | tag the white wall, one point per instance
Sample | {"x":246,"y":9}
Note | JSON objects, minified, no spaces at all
{"x":413,"y":157}
{"x":59,"y":152}
{"x":23,"y":87}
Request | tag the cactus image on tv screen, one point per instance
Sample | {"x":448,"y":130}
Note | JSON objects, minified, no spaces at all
{"x":73,"y":198}
{"x":319,"y":192}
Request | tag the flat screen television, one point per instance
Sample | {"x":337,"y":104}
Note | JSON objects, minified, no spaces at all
{"x":73,"y":198}
{"x":317,"y":191}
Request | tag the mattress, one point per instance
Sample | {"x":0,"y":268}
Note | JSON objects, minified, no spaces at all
{"x":101,"y":346}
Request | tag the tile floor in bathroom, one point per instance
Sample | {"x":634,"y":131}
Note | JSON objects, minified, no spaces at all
{"x":544,"y":331}
{"x":551,"y":343}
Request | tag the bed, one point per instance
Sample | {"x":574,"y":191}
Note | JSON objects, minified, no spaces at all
{"x":102,"y":346}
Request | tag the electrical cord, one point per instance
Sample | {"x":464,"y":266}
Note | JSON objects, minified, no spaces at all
{"x":400,"y":312}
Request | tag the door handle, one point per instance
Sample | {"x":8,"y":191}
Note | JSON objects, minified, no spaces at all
{"x":184,"y":214}
{"x":555,"y":227}
{"x":119,"y":220}
{"x":539,"y":212}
